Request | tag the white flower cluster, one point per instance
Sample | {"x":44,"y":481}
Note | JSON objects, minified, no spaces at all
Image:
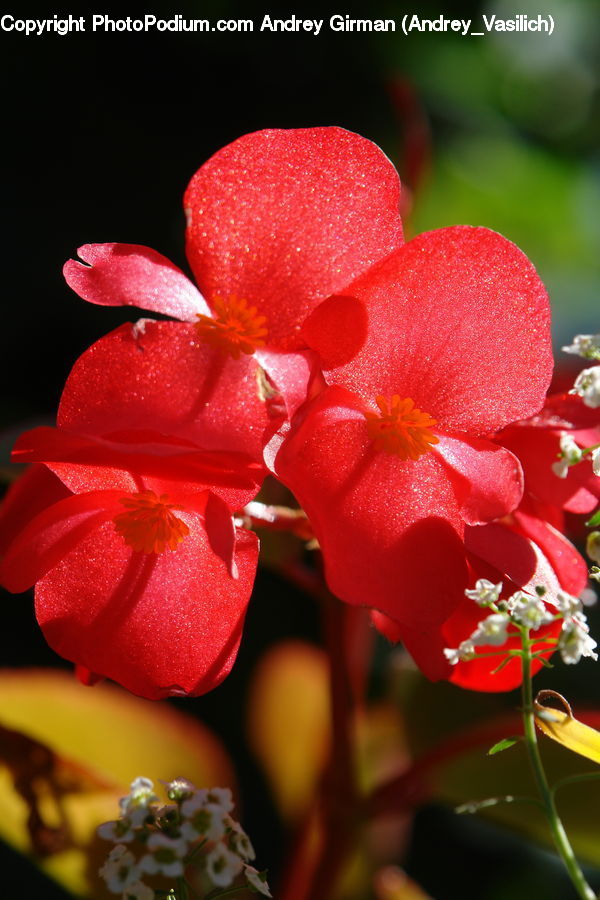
{"x":571,"y":454}
{"x":528,"y":611}
{"x":197,"y":823}
{"x":587,"y":386}
{"x":574,"y":640}
{"x":586,"y":345}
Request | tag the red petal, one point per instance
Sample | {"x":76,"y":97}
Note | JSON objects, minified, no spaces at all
{"x":159,"y":625}
{"x":566,"y":412}
{"x":31,"y":494}
{"x":488,"y":485}
{"x":501,"y":555}
{"x":284,"y":219}
{"x":158,"y":376}
{"x":131,"y":275}
{"x":140,"y":461}
{"x":221,"y":532}
{"x":459,"y":322}
{"x":337,"y":330}
{"x":508,"y":556}
{"x":570,"y":567}
{"x":538,"y":449}
{"x":389,"y":529}
{"x":52,"y":534}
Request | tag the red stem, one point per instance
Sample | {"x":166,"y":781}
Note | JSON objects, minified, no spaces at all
{"x":339,"y":795}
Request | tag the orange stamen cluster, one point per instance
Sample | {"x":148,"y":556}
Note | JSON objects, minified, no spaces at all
{"x":400,"y":428}
{"x":234,"y":326}
{"x":149,"y":526}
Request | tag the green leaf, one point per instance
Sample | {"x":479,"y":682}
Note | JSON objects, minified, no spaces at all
{"x":504,"y":744}
{"x":595,"y":520}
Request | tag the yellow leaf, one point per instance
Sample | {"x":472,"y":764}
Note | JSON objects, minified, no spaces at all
{"x":288,"y":722}
{"x":562,"y":727}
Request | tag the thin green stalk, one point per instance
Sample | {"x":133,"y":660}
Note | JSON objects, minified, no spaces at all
{"x":182,"y":889}
{"x":559,"y":834}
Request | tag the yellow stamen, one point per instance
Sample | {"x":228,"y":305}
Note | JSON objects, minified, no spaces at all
{"x":400,"y":428}
{"x":149,"y":526}
{"x":234,"y":326}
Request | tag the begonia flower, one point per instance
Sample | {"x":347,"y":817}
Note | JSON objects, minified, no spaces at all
{"x":127,"y":531}
{"x":506,"y":553}
{"x":277,"y":222}
{"x":392,"y":462}
{"x":539,"y":443}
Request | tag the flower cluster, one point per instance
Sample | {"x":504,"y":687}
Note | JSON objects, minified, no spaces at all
{"x":194,"y":836}
{"x":395,"y":388}
{"x":524,"y":613}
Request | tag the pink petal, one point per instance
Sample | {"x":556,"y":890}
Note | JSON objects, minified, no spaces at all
{"x":459,"y":322}
{"x":488,"y":484}
{"x":284,"y":219}
{"x":132,"y":275}
{"x":390,"y":531}
{"x":159,"y":376}
{"x":160,"y":625}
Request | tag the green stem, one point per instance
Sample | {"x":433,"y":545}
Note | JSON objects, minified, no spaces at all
{"x":575,"y":779}
{"x":182,"y":889}
{"x":228,"y":892}
{"x":559,"y":834}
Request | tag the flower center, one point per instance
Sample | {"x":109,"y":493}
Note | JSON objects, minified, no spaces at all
{"x":148,"y":525}
{"x":234,"y":326}
{"x":400,"y":428}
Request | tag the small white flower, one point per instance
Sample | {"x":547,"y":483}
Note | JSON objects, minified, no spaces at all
{"x":202,"y":818}
{"x":120,"y":869}
{"x":530,"y":611}
{"x":220,"y":797}
{"x":586,"y":345}
{"x":574,"y":642}
{"x":222,"y":866}
{"x":587,"y":386}
{"x":596,"y":461}
{"x":238,"y":840}
{"x":165,"y":855}
{"x":567,"y":605}
{"x":179,"y":789}
{"x":492,"y":631}
{"x":254,"y":877}
{"x":120,"y":831}
{"x":485,"y":592}
{"x":138,"y":891}
{"x":465,"y":652}
{"x":570,"y":455}
{"x":136,"y":806}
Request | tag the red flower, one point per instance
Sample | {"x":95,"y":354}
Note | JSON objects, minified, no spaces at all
{"x":536,"y":441}
{"x":145,"y":588}
{"x":277,"y":222}
{"x":522,"y":555}
{"x":450,"y":341}
{"x":140,"y":573}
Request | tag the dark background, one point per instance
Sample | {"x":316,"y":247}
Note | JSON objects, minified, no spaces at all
{"x":101,"y":134}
